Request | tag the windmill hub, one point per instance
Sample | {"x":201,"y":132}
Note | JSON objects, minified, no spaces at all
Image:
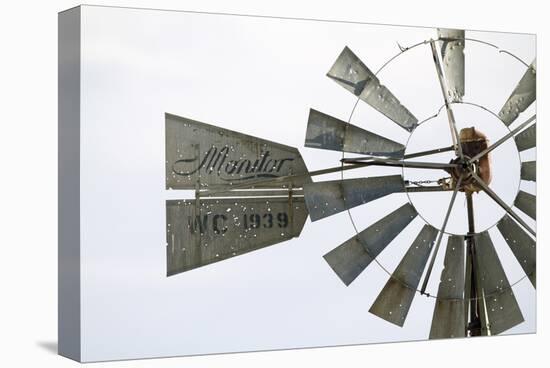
{"x":472,"y":142}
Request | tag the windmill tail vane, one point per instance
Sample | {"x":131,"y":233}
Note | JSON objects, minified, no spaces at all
{"x":251,"y":193}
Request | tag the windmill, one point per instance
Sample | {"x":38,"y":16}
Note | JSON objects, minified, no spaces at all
{"x":251,"y":193}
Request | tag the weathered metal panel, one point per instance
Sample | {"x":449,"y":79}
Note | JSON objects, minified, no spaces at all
{"x":522,"y":97}
{"x":327,"y":198}
{"x":350,"y":72}
{"x":350,"y":258}
{"x":217,"y":157}
{"x":395,"y":299}
{"x":330,"y":133}
{"x":452,"y":56}
{"x":448,"y":317}
{"x":521,"y":244}
{"x":499,"y":308}
{"x":210,"y":230}
{"x":529,"y":170}
{"x":527,"y":139}
{"x":527,"y":203}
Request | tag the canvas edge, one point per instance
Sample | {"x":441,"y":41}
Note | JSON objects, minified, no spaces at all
{"x":69,"y":286}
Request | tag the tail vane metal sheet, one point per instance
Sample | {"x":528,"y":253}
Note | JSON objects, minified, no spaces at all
{"x":210,"y":230}
{"x":221,"y":157}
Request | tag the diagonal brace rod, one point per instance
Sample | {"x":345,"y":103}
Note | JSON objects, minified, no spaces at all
{"x":400,"y":163}
{"x":440,"y":236}
{"x":501,"y":203}
{"x":502,"y":140}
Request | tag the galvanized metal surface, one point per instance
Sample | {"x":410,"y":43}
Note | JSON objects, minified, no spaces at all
{"x":220,"y":157}
{"x":527,"y":139}
{"x":527,"y":203}
{"x":522,"y":245}
{"x":522,"y":97}
{"x":330,"y":133}
{"x":452,"y":55}
{"x":529,"y":170}
{"x":350,"y":72}
{"x":350,"y":258}
{"x":448,"y":106}
{"x":327,"y":198}
{"x":200,"y":233}
{"x":500,"y":310}
{"x":448,"y":317}
{"x":394,"y":301}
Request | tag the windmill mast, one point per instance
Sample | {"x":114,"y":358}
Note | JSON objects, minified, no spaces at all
{"x":473,"y":321}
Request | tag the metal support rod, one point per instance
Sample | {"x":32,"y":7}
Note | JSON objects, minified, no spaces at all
{"x":281,"y":179}
{"x":502,"y":140}
{"x":407,"y":156}
{"x":329,"y":170}
{"x":352,"y":165}
{"x":429,"y":152}
{"x":439,"y":188}
{"x":467,"y":286}
{"x":291,"y":208}
{"x":440,"y":236}
{"x":501,"y":203}
{"x":401,"y":163}
{"x":470,"y":207}
{"x":450,"y":114}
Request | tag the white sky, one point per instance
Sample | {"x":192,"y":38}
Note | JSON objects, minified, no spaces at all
{"x":260,"y":77}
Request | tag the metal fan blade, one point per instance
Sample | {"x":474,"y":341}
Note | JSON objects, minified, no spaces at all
{"x":448,"y":317}
{"x":499,"y":308}
{"x":330,"y":133}
{"x":523,"y":95}
{"x":350,"y":72}
{"x":529,"y":170}
{"x":327,"y":198}
{"x":521,"y":244}
{"x":527,"y":203}
{"x":452,"y":55}
{"x":395,"y":299}
{"x":349,"y":259}
{"x":527,"y":139}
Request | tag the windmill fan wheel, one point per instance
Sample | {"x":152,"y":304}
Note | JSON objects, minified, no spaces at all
{"x":474,"y":296}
